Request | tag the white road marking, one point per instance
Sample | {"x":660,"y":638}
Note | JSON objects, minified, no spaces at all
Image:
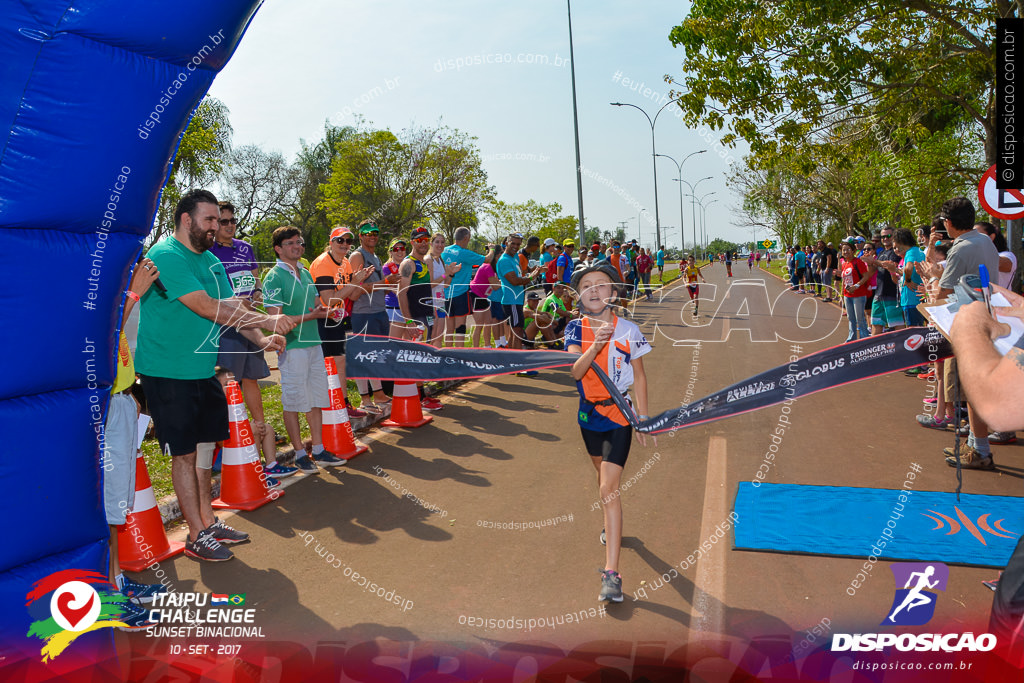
{"x":709,"y":584}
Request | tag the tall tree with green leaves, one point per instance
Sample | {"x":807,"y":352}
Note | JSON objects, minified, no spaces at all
{"x":425,"y":177}
{"x":204,"y":146}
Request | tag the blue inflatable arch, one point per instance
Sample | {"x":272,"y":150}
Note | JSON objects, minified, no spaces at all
{"x":94,"y":96}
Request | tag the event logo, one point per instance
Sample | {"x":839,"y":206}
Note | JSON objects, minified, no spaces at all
{"x":965,"y":523}
{"x":78,"y":602}
{"x":914,"y":604}
{"x":913,"y":342}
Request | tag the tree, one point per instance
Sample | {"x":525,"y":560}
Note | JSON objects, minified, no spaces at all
{"x":310,"y":171}
{"x":776,"y":72}
{"x":719,"y":245}
{"x":426,"y":176}
{"x":199,"y":159}
{"x":258,"y":183}
{"x":527,"y":218}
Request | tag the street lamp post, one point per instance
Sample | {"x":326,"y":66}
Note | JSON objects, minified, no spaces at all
{"x":654,"y":156}
{"x":693,"y":187}
{"x":576,"y":126}
{"x":682,"y":224}
{"x":704,"y":211}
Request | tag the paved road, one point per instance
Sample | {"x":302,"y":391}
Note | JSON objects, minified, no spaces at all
{"x":507,"y":450}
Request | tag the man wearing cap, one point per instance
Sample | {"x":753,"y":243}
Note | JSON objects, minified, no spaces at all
{"x":335,"y":282}
{"x":554,"y":306}
{"x":368,"y":309}
{"x":660,"y":261}
{"x":513,"y":288}
{"x":457,"y":293}
{"x":528,"y":253}
{"x":565,"y":264}
{"x":549,"y":263}
{"x":598,"y":253}
{"x":415,"y":295}
{"x":240,"y":356}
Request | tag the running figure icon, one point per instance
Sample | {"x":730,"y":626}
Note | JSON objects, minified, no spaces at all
{"x":915,"y":598}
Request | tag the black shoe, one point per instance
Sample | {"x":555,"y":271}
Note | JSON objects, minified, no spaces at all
{"x":224,"y":534}
{"x":206,"y":547}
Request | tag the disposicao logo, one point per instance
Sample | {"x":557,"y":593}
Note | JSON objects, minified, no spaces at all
{"x":914,"y":605}
{"x":65,"y":604}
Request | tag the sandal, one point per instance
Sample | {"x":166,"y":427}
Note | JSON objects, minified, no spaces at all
{"x":372,"y":408}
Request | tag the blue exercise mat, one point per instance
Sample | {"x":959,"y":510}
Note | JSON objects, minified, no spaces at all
{"x":927,"y":526}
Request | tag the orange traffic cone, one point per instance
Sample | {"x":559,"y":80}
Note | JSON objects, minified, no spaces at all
{"x":243,"y":483}
{"x":337,"y":430}
{"x":406,"y":410}
{"x":141,"y":541}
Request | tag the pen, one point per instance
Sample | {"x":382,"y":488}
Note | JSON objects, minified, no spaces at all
{"x":986,"y":288}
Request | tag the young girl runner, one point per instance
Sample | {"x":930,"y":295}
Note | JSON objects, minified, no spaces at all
{"x":616,"y":346}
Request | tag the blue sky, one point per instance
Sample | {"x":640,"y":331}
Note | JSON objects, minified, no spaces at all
{"x":491,"y":70}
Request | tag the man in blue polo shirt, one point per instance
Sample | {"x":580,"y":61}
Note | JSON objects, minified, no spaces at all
{"x":456,"y":295}
{"x":513,"y":287}
{"x":565,"y":264}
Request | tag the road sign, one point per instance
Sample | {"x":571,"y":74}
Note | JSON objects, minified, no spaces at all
{"x":1005,"y":204}
{"x":768,"y":244}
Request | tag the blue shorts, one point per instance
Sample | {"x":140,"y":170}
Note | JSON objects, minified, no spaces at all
{"x":914,"y":317}
{"x":498,"y":313}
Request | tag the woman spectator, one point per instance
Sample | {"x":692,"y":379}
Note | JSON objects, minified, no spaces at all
{"x":398,"y":329}
{"x":855,"y":276}
{"x":334,"y":280}
{"x":480,"y":288}
{"x":1007,"y":259}
{"x":644,"y":266}
{"x":440,"y":277}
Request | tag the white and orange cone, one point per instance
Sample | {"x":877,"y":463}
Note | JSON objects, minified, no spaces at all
{"x":243,"y":483}
{"x":141,"y":540}
{"x":406,"y":409}
{"x":337,"y":430}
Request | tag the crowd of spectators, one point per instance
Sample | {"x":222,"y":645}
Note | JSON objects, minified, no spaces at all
{"x":883,"y":281}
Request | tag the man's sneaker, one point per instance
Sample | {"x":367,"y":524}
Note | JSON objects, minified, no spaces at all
{"x":206,"y":547}
{"x":1002,"y":437}
{"x":273,"y":483}
{"x":306,"y":465}
{"x":611,"y":586}
{"x":222,"y":533}
{"x":971,"y":459}
{"x":528,"y":373}
{"x":963,"y":430}
{"x":431,"y":404}
{"x":141,"y":592}
{"x":133,"y":617}
{"x":932,"y":423}
{"x":913,"y":372}
{"x":604,"y":539}
{"x":327,"y":459}
{"x":930,"y":374}
{"x":279,"y":471}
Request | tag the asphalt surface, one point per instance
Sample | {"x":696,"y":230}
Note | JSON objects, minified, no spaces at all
{"x":507,"y":450}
